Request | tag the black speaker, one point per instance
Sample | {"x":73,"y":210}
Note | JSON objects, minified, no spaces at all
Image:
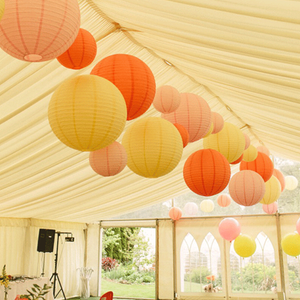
{"x":46,"y":240}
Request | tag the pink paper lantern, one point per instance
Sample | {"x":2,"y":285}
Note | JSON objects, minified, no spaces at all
{"x":247,"y":141}
{"x":263,"y":149}
{"x":39,"y":30}
{"x":280,"y":177}
{"x":223,"y":200}
{"x":298,"y":226}
{"x":175,"y":213}
{"x":191,"y":208}
{"x":167,"y":99}
{"x":246,"y":188}
{"x":194,"y":114}
{"x":270,"y":208}
{"x":218,"y":122}
{"x":110,"y":160}
{"x":229,"y":229}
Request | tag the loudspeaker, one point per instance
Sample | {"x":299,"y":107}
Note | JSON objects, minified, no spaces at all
{"x":46,"y":240}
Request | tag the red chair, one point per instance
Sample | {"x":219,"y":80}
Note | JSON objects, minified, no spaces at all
{"x":107,"y":296}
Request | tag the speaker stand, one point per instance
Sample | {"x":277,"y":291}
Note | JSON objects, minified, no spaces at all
{"x":43,"y":270}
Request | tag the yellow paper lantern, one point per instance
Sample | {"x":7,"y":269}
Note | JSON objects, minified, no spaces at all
{"x":250,"y":153}
{"x":87,"y":113}
{"x":2,"y":6}
{"x":244,"y":245}
{"x":291,"y":244}
{"x":207,"y":206}
{"x":154,"y":147}
{"x":230,"y":141}
{"x":273,"y":191}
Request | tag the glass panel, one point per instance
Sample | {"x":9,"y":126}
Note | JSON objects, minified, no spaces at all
{"x":293,"y":264}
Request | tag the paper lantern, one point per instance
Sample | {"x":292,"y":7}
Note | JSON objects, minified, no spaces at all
{"x":39,"y":30}
{"x":87,"y":113}
{"x":229,"y":229}
{"x":191,"y":208}
{"x":291,"y":244}
{"x":298,"y":226}
{"x":263,"y":149}
{"x":2,"y":6}
{"x":110,"y":160}
{"x":273,"y":191}
{"x":270,"y":208}
{"x":291,"y":182}
{"x":280,"y":177}
{"x":238,"y":160}
{"x":261,"y":165}
{"x":211,"y":128}
{"x":207,"y":206}
{"x":132,"y":77}
{"x":175,"y":213}
{"x":250,"y":154}
{"x":206,"y":172}
{"x":224,"y":200}
{"x":218,"y":122}
{"x":244,"y":245}
{"x":81,"y":53}
{"x":184,"y":134}
{"x":167,"y":99}
{"x":154,"y":147}
{"x":246,"y":188}
{"x":229,"y":141}
{"x":194,"y":114}
{"x":247,"y":141}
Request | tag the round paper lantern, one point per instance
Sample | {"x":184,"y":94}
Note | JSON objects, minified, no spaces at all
{"x":81,"y":53}
{"x":218,"y":122}
{"x":270,"y":208}
{"x":229,"y":229}
{"x":250,"y":154}
{"x":298,"y":226}
{"x":175,"y":213}
{"x":244,"y":245}
{"x":184,"y":134}
{"x":247,"y":141}
{"x":2,"y":6}
{"x":211,"y":128}
{"x":238,"y":160}
{"x":206,"y":172}
{"x":87,"y":113}
{"x":39,"y":30}
{"x":291,"y":244}
{"x":207,"y":206}
{"x":229,"y":141}
{"x":154,"y":147}
{"x":280,"y":177}
{"x":191,"y":208}
{"x":291,"y":182}
{"x":262,"y":165}
{"x":264,"y":150}
{"x":167,"y":99}
{"x":246,"y":188}
{"x":194,"y":114}
{"x":224,"y":200}
{"x":132,"y":77}
{"x":110,"y":160}
{"x":273,"y":191}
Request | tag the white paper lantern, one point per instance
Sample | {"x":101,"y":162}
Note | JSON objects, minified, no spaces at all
{"x":207,"y":206}
{"x":191,"y":208}
{"x":291,"y":182}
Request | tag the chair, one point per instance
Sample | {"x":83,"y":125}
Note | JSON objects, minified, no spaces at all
{"x":107,"y":296}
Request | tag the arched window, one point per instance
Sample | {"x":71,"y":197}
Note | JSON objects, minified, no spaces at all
{"x":293,"y":264}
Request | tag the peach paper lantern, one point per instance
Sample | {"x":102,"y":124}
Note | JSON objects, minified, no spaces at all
{"x":206,"y":172}
{"x":218,"y":122}
{"x":280,"y":177}
{"x":250,"y":153}
{"x":291,"y":182}
{"x":39,"y":30}
{"x":211,"y":128}
{"x":207,"y":206}
{"x":229,"y":141}
{"x":273,"y":191}
{"x":87,"y":113}
{"x":154,"y":147}
{"x":246,"y":188}
{"x":81,"y":53}
{"x":110,"y":160}
{"x":298,"y":226}
{"x":191,"y":208}
{"x":175,"y":213}
{"x":247,"y":141}
{"x":167,"y":99}
{"x":270,"y":208}
{"x":223,"y":200}
{"x":194,"y":114}
{"x":264,"y":150}
{"x":132,"y":77}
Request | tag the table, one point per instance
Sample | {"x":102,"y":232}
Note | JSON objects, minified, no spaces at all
{"x":21,"y":287}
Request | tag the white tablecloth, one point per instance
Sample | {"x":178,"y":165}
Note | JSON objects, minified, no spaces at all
{"x":21,"y":287}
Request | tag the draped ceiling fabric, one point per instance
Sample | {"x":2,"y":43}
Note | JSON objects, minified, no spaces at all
{"x":242,"y":57}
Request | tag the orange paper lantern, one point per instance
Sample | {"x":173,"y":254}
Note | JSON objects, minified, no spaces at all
{"x":224,"y":200}
{"x":218,"y":122}
{"x":184,"y":134}
{"x":175,"y":213}
{"x":81,"y":53}
{"x":263,"y":165}
{"x":167,"y":99}
{"x":110,"y":160}
{"x":39,"y":30}
{"x":238,"y":160}
{"x":280,"y":177}
{"x":206,"y":172}
{"x":132,"y":77}
{"x":194,"y":114}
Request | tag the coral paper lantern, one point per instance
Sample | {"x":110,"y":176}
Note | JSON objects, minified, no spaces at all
{"x":229,"y":141}
{"x":223,"y":200}
{"x":246,"y":188}
{"x":87,"y":113}
{"x":81,"y":53}
{"x":291,"y":244}
{"x":218,"y":122}
{"x":263,"y":165}
{"x":39,"y":30}
{"x":229,"y":229}
{"x":175,"y":213}
{"x":167,"y":99}
{"x":110,"y":160}
{"x":244,"y":245}
{"x":280,"y":177}
{"x":250,"y":154}
{"x":247,"y":141}
{"x":291,"y":182}
{"x":273,"y":191}
{"x":238,"y":160}
{"x":191,"y":208}
{"x":264,"y":150}
{"x":298,"y":226}
{"x":206,"y":172}
{"x":270,"y":208}
{"x":132,"y":77}
{"x":184,"y":134}
{"x":194,"y":114}
{"x":207,"y":206}
{"x":154,"y":147}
